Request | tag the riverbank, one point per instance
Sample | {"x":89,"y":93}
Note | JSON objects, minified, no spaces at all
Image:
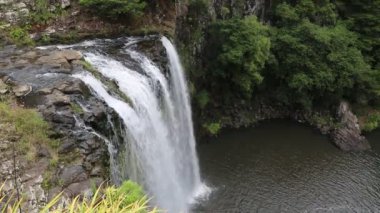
{"x":341,"y":126}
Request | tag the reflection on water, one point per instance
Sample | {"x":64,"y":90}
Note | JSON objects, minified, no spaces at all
{"x":282,"y":166}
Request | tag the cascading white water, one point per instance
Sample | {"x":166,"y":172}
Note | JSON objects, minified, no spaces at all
{"x":160,"y":146}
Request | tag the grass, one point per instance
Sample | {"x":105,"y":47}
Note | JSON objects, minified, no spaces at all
{"x":128,"y":198}
{"x":31,"y":130}
{"x":76,"y":108}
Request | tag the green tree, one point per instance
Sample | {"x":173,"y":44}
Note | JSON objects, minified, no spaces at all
{"x":236,"y":52}
{"x":363,"y":17}
{"x":315,"y":58}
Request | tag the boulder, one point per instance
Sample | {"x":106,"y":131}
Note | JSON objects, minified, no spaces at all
{"x":21,"y":90}
{"x":72,"y":87}
{"x":348,"y":135}
{"x":53,"y":61}
{"x":60,"y":58}
{"x":72,"y":174}
{"x":68,"y":54}
{"x":29,"y":55}
{"x":57,"y":98}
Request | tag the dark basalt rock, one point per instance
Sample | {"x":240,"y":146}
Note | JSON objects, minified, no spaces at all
{"x":44,"y":82}
{"x":348,"y":135}
{"x":72,"y":174}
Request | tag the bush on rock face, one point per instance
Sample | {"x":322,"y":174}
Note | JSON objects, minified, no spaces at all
{"x":116,"y":8}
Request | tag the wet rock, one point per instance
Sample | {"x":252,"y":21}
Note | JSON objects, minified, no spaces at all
{"x":348,"y":135}
{"x":21,"y":90}
{"x":57,"y":98}
{"x":66,"y":146}
{"x":45,"y":91}
{"x":95,"y":156}
{"x":65,"y":118}
{"x":72,"y":174}
{"x":68,"y":54}
{"x":72,"y":87}
{"x":93,"y":143}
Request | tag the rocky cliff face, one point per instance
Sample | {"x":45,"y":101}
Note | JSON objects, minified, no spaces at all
{"x":42,"y":79}
{"x":347,"y":136}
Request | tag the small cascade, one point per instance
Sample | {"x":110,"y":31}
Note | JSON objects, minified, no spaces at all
{"x":159,"y":146}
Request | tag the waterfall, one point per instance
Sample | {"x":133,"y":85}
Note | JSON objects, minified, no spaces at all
{"x":159,"y":148}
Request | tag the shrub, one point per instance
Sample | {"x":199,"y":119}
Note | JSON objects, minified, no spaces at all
{"x":20,"y":36}
{"x":236,"y":52}
{"x":129,"y":198}
{"x":212,"y":128}
{"x":42,"y":13}
{"x":203,"y":99}
{"x":116,"y":8}
{"x":372,"y":122}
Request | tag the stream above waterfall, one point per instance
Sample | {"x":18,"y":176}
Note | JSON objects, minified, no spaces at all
{"x":282,"y":166}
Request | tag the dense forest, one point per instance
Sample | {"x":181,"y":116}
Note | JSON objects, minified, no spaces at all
{"x":302,"y":55}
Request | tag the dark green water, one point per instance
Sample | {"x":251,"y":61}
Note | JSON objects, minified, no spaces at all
{"x":282,"y":166}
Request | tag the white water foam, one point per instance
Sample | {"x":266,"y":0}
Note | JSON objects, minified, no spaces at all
{"x":159,"y":147}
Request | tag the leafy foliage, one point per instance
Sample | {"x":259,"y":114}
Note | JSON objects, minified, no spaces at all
{"x":315,"y":59}
{"x":42,"y":13}
{"x":212,"y":128}
{"x":129,"y":198}
{"x":116,"y":8}
{"x":363,"y":17}
{"x":20,"y":36}
{"x":237,"y":51}
{"x":372,"y":122}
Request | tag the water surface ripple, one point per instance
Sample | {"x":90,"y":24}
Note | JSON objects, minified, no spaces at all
{"x":282,"y":166}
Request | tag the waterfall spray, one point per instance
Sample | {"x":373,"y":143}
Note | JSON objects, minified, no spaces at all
{"x":159,"y":148}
